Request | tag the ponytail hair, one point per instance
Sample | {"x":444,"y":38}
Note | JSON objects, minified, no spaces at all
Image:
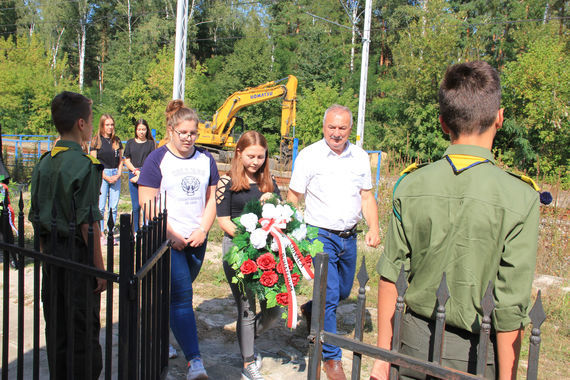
{"x":176,"y":113}
{"x":237,"y":171}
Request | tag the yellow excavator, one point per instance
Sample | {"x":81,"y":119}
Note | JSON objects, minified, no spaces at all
{"x":217,"y":133}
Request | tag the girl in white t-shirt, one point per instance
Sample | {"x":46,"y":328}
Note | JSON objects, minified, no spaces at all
{"x":186,"y":176}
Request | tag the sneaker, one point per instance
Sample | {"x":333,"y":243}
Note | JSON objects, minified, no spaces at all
{"x":251,"y":372}
{"x":172,"y":352}
{"x":196,"y":370}
{"x":258,"y":360}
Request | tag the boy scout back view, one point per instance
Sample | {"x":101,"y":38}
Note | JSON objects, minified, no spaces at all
{"x":62,"y":175}
{"x":464,"y":216}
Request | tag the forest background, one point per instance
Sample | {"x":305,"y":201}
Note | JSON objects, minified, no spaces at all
{"x":121,"y":54}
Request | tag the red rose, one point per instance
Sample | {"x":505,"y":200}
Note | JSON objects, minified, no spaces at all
{"x":280,"y":268}
{"x":308,"y":260}
{"x":295,"y":278}
{"x":282,"y":299}
{"x":266,"y":261}
{"x":248,"y":267}
{"x":268,"y":278}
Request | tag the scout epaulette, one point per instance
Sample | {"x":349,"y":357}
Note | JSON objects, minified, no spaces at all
{"x":93,"y":159}
{"x":413,"y":167}
{"x":545,"y":196}
{"x":58,"y":149}
{"x":461,"y":162}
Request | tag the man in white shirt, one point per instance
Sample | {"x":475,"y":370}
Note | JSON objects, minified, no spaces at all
{"x":334,"y":177}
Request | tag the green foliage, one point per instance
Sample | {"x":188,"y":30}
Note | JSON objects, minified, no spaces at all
{"x":28,"y":85}
{"x":537,"y":95}
{"x":234,"y":45}
{"x":312,"y":106}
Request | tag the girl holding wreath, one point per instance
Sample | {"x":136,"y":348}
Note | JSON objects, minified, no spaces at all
{"x":248,"y":179}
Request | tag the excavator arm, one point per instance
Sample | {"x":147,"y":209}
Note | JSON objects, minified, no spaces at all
{"x":217,"y":132}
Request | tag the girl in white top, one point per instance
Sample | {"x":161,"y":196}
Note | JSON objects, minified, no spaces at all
{"x":186,"y":176}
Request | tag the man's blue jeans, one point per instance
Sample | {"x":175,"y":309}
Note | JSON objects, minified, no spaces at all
{"x":185,"y":266}
{"x":134,"y":190}
{"x":341,"y":269}
{"x":113,"y":192}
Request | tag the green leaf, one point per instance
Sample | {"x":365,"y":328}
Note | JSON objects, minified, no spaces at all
{"x":231,"y":256}
{"x":271,"y":298}
{"x":253,"y":206}
{"x":241,"y":241}
{"x":312,"y":232}
{"x":315,"y":247}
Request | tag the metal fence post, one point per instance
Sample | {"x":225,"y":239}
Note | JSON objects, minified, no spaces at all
{"x":363,"y":278}
{"x":321,"y":261}
{"x":125,"y":319}
{"x":401,"y":287}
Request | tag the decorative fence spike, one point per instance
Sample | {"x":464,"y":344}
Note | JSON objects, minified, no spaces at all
{"x":537,"y":317}
{"x":442,"y":295}
{"x":362,"y":275}
{"x":488,"y":305}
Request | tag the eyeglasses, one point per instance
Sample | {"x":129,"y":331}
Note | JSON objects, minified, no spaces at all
{"x":186,"y":135}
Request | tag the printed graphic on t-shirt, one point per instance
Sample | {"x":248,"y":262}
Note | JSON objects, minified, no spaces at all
{"x":190,"y":185}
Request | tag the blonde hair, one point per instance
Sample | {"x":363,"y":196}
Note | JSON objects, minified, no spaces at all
{"x":96,"y":141}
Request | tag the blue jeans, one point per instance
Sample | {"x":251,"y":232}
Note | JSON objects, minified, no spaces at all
{"x":113,"y":192}
{"x":341,"y":269}
{"x":185,"y":266}
{"x":134,"y":190}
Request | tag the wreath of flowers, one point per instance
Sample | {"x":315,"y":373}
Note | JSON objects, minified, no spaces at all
{"x":273,"y":248}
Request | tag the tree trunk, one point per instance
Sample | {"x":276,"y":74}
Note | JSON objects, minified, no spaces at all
{"x":129,"y":16}
{"x":54,"y":50}
{"x":82,"y":41}
{"x":354,"y":10}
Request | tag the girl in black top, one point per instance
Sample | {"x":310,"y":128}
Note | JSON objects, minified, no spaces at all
{"x":248,"y":179}
{"x":108,"y":149}
{"x":136,"y":152}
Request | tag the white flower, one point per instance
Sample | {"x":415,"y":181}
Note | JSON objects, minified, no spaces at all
{"x":269,"y":211}
{"x":249,"y":221}
{"x":258,"y":238}
{"x":299,"y":215}
{"x":274,"y":246}
{"x":286,"y":213}
{"x":300,"y":233}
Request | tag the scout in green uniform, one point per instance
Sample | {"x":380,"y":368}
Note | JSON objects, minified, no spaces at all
{"x":62,"y":175}
{"x":466,"y":217}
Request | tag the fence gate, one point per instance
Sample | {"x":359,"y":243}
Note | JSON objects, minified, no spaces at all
{"x":143,"y":282}
{"x":432,"y":368}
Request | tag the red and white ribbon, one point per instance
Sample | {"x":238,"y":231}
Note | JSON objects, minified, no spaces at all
{"x":274,"y":227}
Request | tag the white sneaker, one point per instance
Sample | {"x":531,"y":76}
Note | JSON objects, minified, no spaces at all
{"x":251,"y":372}
{"x":258,"y":360}
{"x":196,"y":370}
{"x":172,"y":352}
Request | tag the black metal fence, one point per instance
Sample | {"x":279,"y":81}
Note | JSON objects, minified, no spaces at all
{"x":398,"y":360}
{"x":143,"y":283}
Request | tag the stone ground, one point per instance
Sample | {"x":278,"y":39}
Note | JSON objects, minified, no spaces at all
{"x":284,"y":351}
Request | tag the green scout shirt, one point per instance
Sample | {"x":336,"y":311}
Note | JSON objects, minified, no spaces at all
{"x":64,"y":174}
{"x":478,"y":224}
